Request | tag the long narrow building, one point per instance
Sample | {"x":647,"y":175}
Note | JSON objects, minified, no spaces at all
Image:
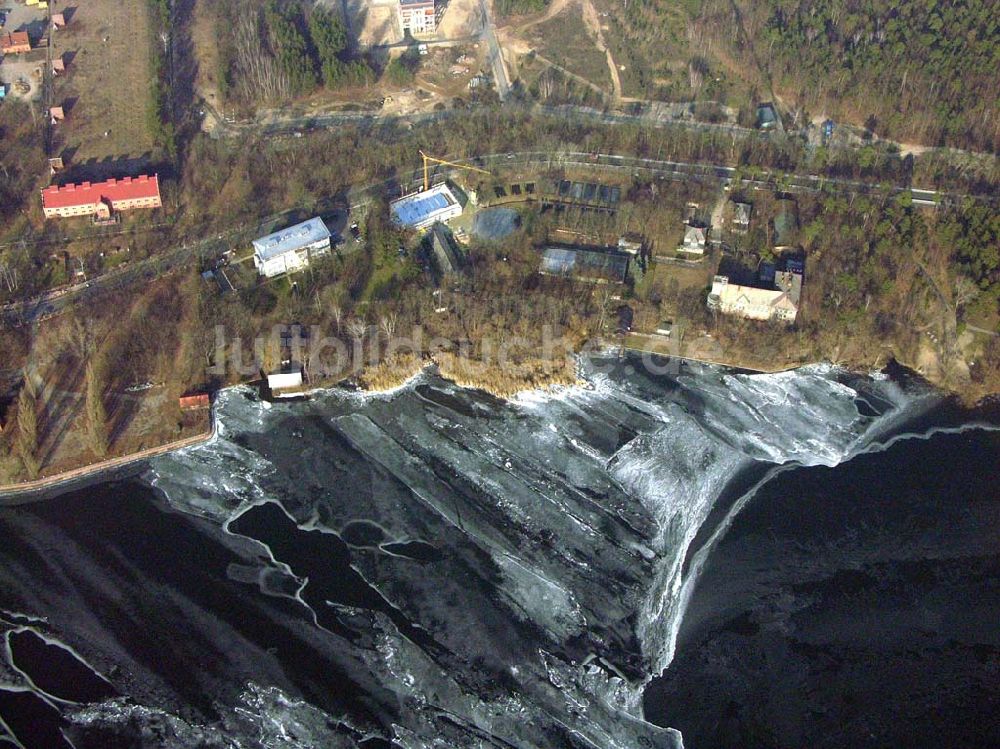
{"x":101,"y":199}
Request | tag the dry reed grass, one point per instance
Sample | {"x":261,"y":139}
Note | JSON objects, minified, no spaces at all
{"x":391,"y":373}
{"x":509,"y":379}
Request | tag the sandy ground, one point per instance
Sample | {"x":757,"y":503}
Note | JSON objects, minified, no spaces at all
{"x":206,"y":51}
{"x":373,"y":23}
{"x":591,"y":19}
{"x":461,"y":18}
{"x":16,"y":68}
{"x":516,"y":45}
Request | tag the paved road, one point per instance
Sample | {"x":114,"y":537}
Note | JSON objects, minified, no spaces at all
{"x":51,"y":304}
{"x":658,"y":117}
{"x":762,"y":179}
{"x":143,"y":271}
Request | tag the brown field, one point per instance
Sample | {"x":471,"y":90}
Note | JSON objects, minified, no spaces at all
{"x":566,"y":41}
{"x":374,"y":24}
{"x":446,"y":71}
{"x":203,"y":37}
{"x":106,"y":88}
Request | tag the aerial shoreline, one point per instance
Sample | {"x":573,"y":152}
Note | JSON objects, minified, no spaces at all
{"x":34,"y":486}
{"x":12,"y":493}
{"x":401,"y":380}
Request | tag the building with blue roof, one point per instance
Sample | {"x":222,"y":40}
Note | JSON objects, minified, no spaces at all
{"x":424,"y":209}
{"x":291,"y":249}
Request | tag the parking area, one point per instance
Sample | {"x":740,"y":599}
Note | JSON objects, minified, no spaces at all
{"x":22,"y":73}
{"x":20,"y":17}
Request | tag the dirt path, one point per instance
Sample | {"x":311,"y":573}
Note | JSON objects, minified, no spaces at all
{"x":720,"y":206}
{"x":593,"y":22}
{"x":513,"y":40}
{"x":557,"y":7}
{"x":570,"y":74}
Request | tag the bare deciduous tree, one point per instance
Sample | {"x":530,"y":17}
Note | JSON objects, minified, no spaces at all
{"x":357,"y":328}
{"x":388,"y":324}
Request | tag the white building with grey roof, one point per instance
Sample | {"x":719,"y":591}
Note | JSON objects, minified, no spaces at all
{"x":291,"y":249}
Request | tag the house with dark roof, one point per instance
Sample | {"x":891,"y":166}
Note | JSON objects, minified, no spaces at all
{"x":767,"y":117}
{"x":446,"y":255}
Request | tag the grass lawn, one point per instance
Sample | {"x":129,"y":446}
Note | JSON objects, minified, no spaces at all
{"x":106,"y":87}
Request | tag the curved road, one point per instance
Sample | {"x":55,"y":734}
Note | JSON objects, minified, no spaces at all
{"x":53,"y":303}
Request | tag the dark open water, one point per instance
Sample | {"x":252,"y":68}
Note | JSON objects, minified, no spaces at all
{"x":850,"y":606}
{"x":440,"y":567}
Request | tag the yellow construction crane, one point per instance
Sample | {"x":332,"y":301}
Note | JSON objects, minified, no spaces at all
{"x":430,"y":159}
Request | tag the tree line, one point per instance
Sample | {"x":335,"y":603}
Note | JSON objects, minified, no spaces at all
{"x":281,"y":50}
{"x":159,"y":120}
{"x":921,"y":70}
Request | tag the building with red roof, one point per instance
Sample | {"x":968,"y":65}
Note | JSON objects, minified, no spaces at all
{"x":15,"y":42}
{"x":101,"y":199}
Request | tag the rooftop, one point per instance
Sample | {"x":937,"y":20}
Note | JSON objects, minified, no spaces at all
{"x":694,"y":236}
{"x":591,"y":264}
{"x":14,"y":39}
{"x":417,"y":209}
{"x":735,"y":295}
{"x":743,"y":213}
{"x":292,"y":238}
{"x":86,"y":193}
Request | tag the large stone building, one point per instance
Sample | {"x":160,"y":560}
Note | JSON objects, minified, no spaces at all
{"x":291,"y":249}
{"x":101,"y":199}
{"x":780,"y":304}
{"x":417,"y":16}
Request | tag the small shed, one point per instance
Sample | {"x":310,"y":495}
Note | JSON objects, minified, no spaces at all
{"x":56,"y":115}
{"x":58,"y":65}
{"x":56,"y":165}
{"x":58,"y":21}
{"x":194,"y":401}
{"x":284,"y":380}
